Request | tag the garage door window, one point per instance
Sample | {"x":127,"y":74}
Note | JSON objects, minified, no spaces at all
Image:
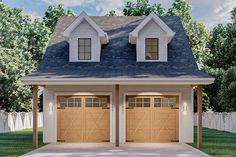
{"x":165,"y":102}
{"x":138,"y":102}
{"x":96,"y":102}
{"x":69,"y":102}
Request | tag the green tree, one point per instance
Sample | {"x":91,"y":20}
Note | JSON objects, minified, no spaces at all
{"x":22,"y":42}
{"x":14,"y":64}
{"x":111,"y":13}
{"x":228,"y":90}
{"x":53,"y":13}
{"x":142,"y":7}
{"x":213,"y":90}
{"x":38,"y":35}
{"x":196,"y":32}
{"x":222,"y":45}
{"x":233,"y":12}
{"x":205,"y":101}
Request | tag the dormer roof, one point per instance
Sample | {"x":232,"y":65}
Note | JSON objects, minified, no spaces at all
{"x":152,"y":16}
{"x":83,"y":16}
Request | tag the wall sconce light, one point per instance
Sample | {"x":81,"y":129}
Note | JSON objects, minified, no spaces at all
{"x":185,"y":108}
{"x":50,"y":108}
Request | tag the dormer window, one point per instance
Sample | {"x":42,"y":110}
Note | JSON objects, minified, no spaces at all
{"x":151,"y":38}
{"x":151,"y":49}
{"x":85,"y":39}
{"x":84,"y":48}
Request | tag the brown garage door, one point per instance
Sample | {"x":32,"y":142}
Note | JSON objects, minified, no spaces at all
{"x":83,"y":119}
{"x":152,"y":118}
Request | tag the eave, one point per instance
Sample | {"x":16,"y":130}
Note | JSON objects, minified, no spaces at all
{"x":122,"y":81}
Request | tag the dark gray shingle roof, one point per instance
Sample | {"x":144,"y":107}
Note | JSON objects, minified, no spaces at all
{"x":118,"y":57}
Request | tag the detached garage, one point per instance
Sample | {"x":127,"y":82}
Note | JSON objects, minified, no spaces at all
{"x":144,"y":64}
{"x":152,"y":119}
{"x":83,"y":119}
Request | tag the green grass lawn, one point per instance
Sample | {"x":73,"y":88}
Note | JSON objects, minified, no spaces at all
{"x":17,"y":143}
{"x":217,"y":143}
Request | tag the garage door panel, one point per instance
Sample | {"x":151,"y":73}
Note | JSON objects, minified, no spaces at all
{"x":70,"y":125}
{"x":97,"y":123}
{"x":138,"y":124}
{"x":156,"y":123}
{"x":84,"y":119}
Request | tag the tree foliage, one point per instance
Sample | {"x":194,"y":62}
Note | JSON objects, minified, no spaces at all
{"x":142,"y":7}
{"x":53,"y":13}
{"x":233,"y":12}
{"x":22,"y":42}
{"x":196,"y":32}
{"x":213,"y":90}
{"x":222,"y":45}
{"x":222,"y":92}
{"x":111,"y":13}
{"x":38,"y":35}
{"x":205,"y":101}
{"x":14,"y":63}
{"x":228,"y":90}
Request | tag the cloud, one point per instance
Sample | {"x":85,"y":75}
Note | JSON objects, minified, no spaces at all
{"x":33,"y":14}
{"x":105,"y":6}
{"x":209,"y":12}
{"x":69,"y":3}
{"x":212,"y":12}
{"x":102,"y":6}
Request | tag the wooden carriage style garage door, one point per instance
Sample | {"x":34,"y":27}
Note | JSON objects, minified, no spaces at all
{"x":83,"y":119}
{"x":152,"y":119}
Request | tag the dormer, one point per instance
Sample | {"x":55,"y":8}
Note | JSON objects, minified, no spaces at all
{"x":151,"y":37}
{"x":85,"y":38}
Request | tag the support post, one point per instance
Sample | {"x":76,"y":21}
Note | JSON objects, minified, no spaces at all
{"x":199,"y":129}
{"x":117,"y":104}
{"x":35,"y":116}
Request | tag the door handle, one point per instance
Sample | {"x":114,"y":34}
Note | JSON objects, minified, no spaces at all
{"x":106,"y":108}
{"x":60,"y":107}
{"x":129,"y":107}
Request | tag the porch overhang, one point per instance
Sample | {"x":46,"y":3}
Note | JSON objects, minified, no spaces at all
{"x":120,"y":81}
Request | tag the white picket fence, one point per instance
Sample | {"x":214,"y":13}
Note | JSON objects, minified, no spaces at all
{"x":18,"y":121}
{"x":220,"y":121}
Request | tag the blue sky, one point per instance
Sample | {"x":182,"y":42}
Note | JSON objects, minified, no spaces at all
{"x":209,"y":12}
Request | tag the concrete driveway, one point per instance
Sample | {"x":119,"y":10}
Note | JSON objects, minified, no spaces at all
{"x":108,"y":150}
